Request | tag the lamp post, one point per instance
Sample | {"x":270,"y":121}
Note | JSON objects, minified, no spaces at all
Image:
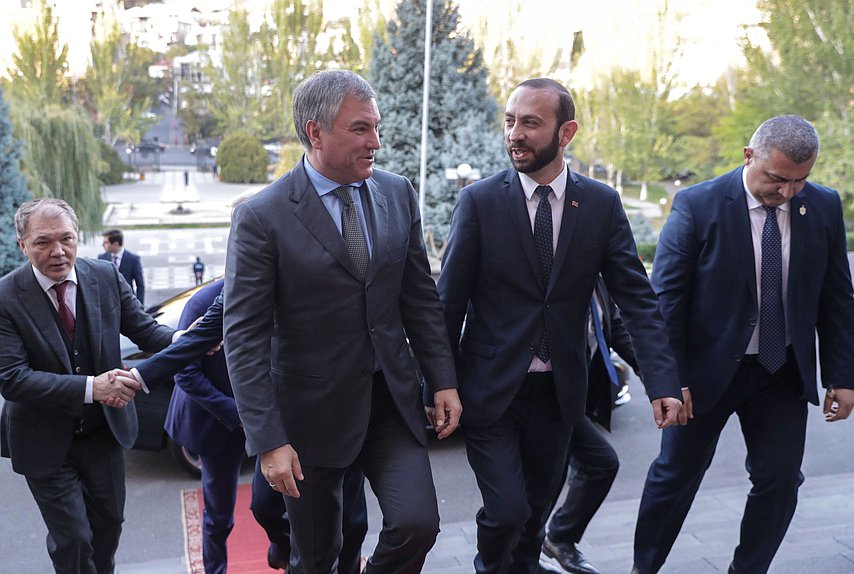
{"x":463,"y":172}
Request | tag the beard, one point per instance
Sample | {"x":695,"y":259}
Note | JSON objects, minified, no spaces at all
{"x":540,"y":157}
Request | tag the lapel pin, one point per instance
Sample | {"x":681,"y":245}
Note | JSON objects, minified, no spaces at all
{"x":803,"y":210}
{"x":575,"y":204}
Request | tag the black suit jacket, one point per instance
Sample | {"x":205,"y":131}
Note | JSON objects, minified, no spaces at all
{"x":303,"y":334}
{"x":131,"y":269}
{"x":705,"y":277}
{"x":42,"y":394}
{"x":491,"y":279}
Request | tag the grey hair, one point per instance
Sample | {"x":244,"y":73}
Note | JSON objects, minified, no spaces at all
{"x":793,"y":136}
{"x":48,"y":206}
{"x":319,"y":98}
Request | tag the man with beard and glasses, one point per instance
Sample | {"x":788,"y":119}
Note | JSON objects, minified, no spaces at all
{"x":525,"y":248}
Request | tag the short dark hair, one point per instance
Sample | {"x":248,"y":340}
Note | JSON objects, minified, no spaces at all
{"x":565,"y":108}
{"x":114,"y":236}
{"x":793,"y":136}
{"x":52,"y":207}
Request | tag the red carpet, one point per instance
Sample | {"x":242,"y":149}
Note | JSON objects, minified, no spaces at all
{"x":247,"y":543}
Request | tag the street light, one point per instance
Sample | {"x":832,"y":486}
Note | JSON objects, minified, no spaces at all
{"x":463,"y":173}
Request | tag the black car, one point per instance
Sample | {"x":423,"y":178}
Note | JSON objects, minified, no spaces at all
{"x":151,"y":408}
{"x":146,"y":147}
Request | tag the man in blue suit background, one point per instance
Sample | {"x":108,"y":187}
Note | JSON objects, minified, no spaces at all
{"x":127,"y":262}
{"x":749,"y":266}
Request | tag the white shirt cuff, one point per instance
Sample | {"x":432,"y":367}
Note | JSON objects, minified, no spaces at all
{"x":139,"y":378}
{"x":87,"y":396}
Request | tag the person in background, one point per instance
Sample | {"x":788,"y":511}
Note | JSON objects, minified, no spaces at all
{"x":593,"y":462}
{"x":749,"y":267}
{"x":199,"y":271}
{"x":525,"y":248}
{"x":68,"y":411}
{"x":127,"y":262}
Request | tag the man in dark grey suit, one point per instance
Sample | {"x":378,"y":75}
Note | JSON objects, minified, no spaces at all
{"x":525,"y":248}
{"x":327,"y":285}
{"x":127,"y":262}
{"x":60,"y":320}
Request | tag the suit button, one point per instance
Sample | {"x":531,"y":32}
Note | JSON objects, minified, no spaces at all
{"x":753,"y":321}
{"x":76,"y":352}
{"x":77,"y":370}
{"x":369,"y":287}
{"x":548,"y":305}
{"x":531,"y":348}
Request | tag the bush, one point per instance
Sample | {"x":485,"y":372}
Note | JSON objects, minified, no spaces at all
{"x":112,"y":168}
{"x":646,"y":252}
{"x":241,"y":158}
{"x":850,"y":237}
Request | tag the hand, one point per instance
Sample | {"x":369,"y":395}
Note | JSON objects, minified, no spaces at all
{"x":446,"y":415}
{"x":666,"y":411}
{"x":838,"y":404}
{"x":282,"y":469}
{"x":215,"y":349}
{"x":115,"y":388}
{"x":687,"y":410}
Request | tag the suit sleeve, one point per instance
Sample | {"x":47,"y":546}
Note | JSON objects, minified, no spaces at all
{"x":194,"y":380}
{"x":620,"y":341}
{"x":190,"y":346}
{"x":421,"y":310}
{"x":835,"y":325}
{"x":139,"y":279}
{"x":250,"y":278}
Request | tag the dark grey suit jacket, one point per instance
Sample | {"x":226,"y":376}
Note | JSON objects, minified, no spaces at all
{"x":491,"y":281}
{"x":303,"y":334}
{"x":42,"y":395}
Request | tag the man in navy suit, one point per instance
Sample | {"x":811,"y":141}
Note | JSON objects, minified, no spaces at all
{"x":68,"y":411}
{"x":127,"y":262}
{"x":749,"y":266}
{"x":525,"y":248}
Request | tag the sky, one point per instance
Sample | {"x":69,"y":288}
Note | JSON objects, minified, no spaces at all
{"x":615,"y":31}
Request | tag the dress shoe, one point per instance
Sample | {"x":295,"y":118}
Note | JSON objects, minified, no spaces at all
{"x":275,"y":560}
{"x":568,"y":556}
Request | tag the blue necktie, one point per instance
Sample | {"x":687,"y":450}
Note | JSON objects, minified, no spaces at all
{"x":772,"y":319}
{"x":543,"y":240}
{"x":603,"y":346}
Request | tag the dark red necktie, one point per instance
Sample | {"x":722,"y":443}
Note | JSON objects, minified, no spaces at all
{"x":64,"y":311}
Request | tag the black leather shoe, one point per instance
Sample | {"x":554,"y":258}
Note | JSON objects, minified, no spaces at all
{"x":274,"y":561}
{"x":568,"y":556}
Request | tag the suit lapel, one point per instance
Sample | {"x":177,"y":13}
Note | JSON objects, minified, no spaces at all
{"x":567,"y":224}
{"x":514,"y":195}
{"x":376,"y":215}
{"x":740,"y":234}
{"x":32,"y":299}
{"x":799,"y":228}
{"x":88,"y":292}
{"x":313,"y":215}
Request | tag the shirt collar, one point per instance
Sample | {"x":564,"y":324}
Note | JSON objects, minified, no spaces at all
{"x":558,"y":184}
{"x":46,"y":282}
{"x":752,"y":202}
{"x":321,"y":183}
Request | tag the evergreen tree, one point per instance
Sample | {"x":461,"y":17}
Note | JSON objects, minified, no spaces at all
{"x":13,"y":192}
{"x":463,"y":123}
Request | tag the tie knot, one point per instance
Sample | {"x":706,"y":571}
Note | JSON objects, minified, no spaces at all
{"x":344,"y":194}
{"x":770,"y":211}
{"x":60,"y":288}
{"x":543,"y":191}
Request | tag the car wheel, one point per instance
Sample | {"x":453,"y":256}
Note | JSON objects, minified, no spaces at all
{"x":186,"y":459}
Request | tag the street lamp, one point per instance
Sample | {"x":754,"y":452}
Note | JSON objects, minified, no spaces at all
{"x":463,"y":173}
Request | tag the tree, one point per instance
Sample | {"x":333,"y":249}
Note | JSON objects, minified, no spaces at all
{"x":242,"y":159}
{"x":13,"y":191}
{"x":40,"y":64}
{"x":463,"y":124}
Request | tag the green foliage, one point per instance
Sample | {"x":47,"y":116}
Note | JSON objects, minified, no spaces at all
{"x":463,"y":124}
{"x":289,"y":153}
{"x":61,"y":157}
{"x":112,"y":166}
{"x":13,"y":192}
{"x":641,"y":228}
{"x":39,"y":66}
{"x":850,"y":240}
{"x":242,"y":159}
{"x":646,"y":252}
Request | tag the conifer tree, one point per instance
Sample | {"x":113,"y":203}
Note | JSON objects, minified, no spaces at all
{"x":13,"y":192}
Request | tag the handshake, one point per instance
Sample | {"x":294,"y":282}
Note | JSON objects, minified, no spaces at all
{"x":115,"y":388}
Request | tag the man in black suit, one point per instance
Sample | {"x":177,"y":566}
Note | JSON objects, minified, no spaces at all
{"x":593,"y":462}
{"x":749,"y":266}
{"x":525,"y":248}
{"x":127,"y":262}
{"x":60,"y":319}
{"x":327,"y":285}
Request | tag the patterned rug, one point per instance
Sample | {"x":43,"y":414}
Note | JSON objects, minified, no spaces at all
{"x":247,"y":543}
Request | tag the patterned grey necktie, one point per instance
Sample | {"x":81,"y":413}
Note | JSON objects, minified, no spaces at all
{"x":772,"y":319}
{"x":352,"y":232}
{"x":543,"y":240}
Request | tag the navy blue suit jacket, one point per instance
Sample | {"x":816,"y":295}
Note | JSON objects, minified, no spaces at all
{"x":491,"y":279}
{"x":131,"y":269}
{"x":704,"y":274}
{"x":202,"y":414}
